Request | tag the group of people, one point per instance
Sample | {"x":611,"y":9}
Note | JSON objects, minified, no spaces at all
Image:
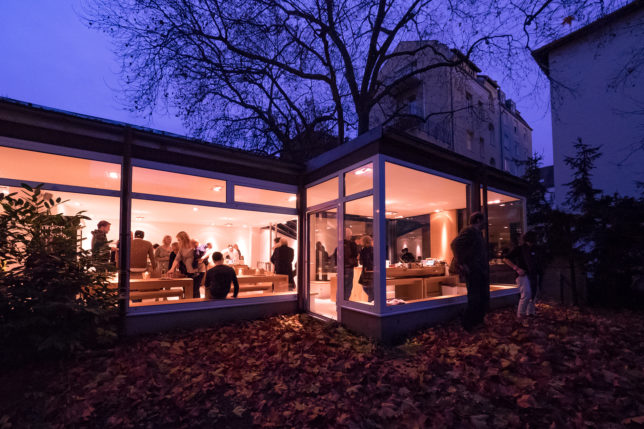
{"x":354,"y":254}
{"x":185,"y":257}
{"x":471,"y":259}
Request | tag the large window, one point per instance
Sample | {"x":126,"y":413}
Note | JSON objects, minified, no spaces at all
{"x":248,"y":241}
{"x":424,"y":213}
{"x":149,"y":181}
{"x":322,"y":192}
{"x":359,"y":250}
{"x":505,"y":226}
{"x":18,"y":164}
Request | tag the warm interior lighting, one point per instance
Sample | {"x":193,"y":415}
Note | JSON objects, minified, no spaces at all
{"x":139,"y":218}
{"x":399,"y":217}
{"x":391,"y":213}
{"x":113,"y":175}
{"x":216,"y":188}
{"x":363,"y":170}
{"x":437,"y":211}
{"x":494,"y":202}
{"x":194,"y":209}
{"x":292,"y":198}
{"x":229,"y":225}
{"x":4,"y":190}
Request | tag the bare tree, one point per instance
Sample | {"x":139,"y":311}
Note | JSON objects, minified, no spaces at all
{"x":273,"y":75}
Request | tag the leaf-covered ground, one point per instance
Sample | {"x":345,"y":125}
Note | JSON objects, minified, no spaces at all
{"x":564,"y":368}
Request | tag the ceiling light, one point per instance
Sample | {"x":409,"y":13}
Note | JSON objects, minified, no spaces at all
{"x":139,"y":218}
{"x":216,"y":188}
{"x":389,"y":201}
{"x":437,"y":211}
{"x":194,"y":209}
{"x":113,"y":175}
{"x":363,"y":170}
{"x":391,"y":213}
{"x":292,"y":198}
{"x":494,"y":202}
{"x":399,"y":217}
{"x":228,"y":225}
{"x":505,"y":227}
{"x":501,"y":205}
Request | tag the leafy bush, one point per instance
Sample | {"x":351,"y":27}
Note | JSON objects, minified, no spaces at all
{"x":54,"y":298}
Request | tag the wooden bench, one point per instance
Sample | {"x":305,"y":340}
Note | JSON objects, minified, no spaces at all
{"x":156,"y":294}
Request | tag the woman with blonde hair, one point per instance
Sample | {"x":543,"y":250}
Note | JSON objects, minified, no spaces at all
{"x":366,"y":259}
{"x":162,"y":255}
{"x":195,"y":269}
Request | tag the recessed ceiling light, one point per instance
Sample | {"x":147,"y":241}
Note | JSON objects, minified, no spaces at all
{"x":389,"y":201}
{"x":399,"y":217}
{"x":216,"y":188}
{"x":437,"y":211}
{"x":391,"y":213}
{"x":228,"y":225}
{"x":494,"y":202}
{"x":113,"y":175}
{"x":292,"y":198}
{"x":194,"y":209}
{"x":139,"y":218}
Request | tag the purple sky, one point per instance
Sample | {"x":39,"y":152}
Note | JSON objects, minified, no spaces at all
{"x":50,"y":58}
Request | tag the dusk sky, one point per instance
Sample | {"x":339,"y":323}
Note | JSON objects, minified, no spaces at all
{"x":50,"y":58}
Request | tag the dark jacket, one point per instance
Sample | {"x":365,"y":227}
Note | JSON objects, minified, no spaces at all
{"x":218,"y":280}
{"x":283,"y":260}
{"x":470,"y":250}
{"x":100,"y":247}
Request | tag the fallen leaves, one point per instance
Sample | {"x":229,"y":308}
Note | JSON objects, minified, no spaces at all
{"x":565,"y":368}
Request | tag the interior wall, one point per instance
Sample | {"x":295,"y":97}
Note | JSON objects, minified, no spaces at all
{"x":413,"y":241}
{"x":443,"y":229}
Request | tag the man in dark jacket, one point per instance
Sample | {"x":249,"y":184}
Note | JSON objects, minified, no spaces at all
{"x":100,"y":244}
{"x":470,"y":252}
{"x":282,"y":258}
{"x":219,"y":278}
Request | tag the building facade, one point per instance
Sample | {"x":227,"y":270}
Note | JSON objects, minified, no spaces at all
{"x":347,"y":214}
{"x":597,"y":96}
{"x":457,"y":108}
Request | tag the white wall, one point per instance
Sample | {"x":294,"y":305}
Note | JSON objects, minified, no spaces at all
{"x":586,"y":105}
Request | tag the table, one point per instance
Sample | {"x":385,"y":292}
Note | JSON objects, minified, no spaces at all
{"x":156,"y":284}
{"x":250,"y":282}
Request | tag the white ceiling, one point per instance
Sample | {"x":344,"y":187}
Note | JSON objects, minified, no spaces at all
{"x":100,"y":207}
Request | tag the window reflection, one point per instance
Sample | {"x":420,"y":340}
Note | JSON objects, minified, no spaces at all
{"x":505,"y":226}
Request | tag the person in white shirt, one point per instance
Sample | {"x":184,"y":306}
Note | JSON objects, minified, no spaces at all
{"x":231,"y":254}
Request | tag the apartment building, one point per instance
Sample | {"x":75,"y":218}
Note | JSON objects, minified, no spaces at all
{"x":453,"y":107}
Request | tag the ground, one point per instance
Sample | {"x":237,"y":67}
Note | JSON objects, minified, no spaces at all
{"x":564,"y":368}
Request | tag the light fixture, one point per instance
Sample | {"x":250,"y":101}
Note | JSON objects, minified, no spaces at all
{"x":501,"y":205}
{"x":437,"y":211}
{"x":216,"y":188}
{"x":195,"y":209}
{"x":139,"y":218}
{"x":494,"y":202}
{"x":399,"y":217}
{"x":391,"y":213}
{"x":113,"y":175}
{"x":363,"y":170}
{"x":292,"y":198}
{"x":228,"y":225}
{"x":505,"y":227}
{"x":389,"y":201}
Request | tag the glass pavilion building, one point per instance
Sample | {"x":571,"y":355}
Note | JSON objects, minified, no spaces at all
{"x":370,"y":221}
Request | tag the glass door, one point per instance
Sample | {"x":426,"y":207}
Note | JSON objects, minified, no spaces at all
{"x":322,"y":268}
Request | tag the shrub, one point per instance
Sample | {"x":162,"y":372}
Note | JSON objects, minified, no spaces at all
{"x":54,"y":298}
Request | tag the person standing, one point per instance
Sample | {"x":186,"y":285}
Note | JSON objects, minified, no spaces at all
{"x":100,"y":244}
{"x":219,"y":278}
{"x":525,"y":261}
{"x":162,"y":255}
{"x":350,"y":261}
{"x":140,"y":251}
{"x":282,"y":258}
{"x":231,"y":253}
{"x":366,"y":259}
{"x":186,"y":254}
{"x":470,"y":252}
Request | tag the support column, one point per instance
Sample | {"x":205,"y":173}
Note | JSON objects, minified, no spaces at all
{"x":124,"y":230}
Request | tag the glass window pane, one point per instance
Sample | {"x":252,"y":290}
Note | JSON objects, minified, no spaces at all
{"x":323,"y":242}
{"x":245,"y":194}
{"x":358,"y":250}
{"x":250,"y":234}
{"x":422,"y":220}
{"x":505,"y":226}
{"x":63,"y":170}
{"x":322,"y":192}
{"x":157,"y":182}
{"x":360,"y":179}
